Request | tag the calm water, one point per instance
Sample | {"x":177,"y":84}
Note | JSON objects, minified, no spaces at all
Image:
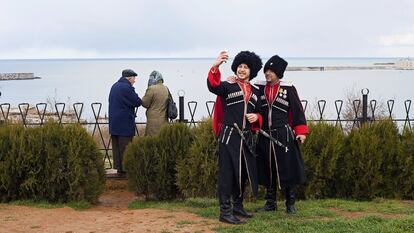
{"x":90,"y":80}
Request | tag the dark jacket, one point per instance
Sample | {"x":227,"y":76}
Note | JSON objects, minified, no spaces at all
{"x":122,"y":103}
{"x":231,"y":145}
{"x":283,"y":119}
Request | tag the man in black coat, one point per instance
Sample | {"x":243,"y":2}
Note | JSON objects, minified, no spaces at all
{"x":280,"y":164}
{"x":122,"y":103}
{"x":236,"y":114}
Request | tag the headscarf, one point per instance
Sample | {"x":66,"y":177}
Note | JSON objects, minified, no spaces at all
{"x":154,"y":78}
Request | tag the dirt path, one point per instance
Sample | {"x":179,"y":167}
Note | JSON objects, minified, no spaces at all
{"x":111,"y":215}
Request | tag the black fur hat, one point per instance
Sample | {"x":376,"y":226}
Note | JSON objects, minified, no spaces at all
{"x":250,"y":59}
{"x":277,"y":65}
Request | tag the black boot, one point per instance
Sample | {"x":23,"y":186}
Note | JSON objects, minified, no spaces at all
{"x":238,"y":208}
{"x":226,"y":214}
{"x":290,"y":194}
{"x":121,"y":174}
{"x":270,"y":204}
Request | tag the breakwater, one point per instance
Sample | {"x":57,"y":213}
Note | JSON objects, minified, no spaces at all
{"x":17,"y":76}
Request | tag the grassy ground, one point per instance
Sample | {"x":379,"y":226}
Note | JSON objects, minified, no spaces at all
{"x":331,"y":215}
{"x":313,"y":216}
{"x":46,"y":205}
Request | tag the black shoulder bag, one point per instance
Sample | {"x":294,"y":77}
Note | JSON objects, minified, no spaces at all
{"x":172,"y":111}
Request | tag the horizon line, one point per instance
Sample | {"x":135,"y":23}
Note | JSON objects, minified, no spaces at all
{"x":186,"y":58}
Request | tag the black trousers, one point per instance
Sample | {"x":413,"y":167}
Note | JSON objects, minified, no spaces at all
{"x":119,"y":144}
{"x":228,"y":180}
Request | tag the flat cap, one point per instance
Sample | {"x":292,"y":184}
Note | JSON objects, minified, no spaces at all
{"x":128,"y":73}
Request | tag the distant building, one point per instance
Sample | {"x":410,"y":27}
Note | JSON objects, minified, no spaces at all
{"x":405,"y":64}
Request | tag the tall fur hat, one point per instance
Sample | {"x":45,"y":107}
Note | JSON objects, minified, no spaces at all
{"x":277,"y":65}
{"x":252,"y":60}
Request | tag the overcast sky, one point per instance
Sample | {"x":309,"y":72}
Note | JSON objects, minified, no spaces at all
{"x":201,"y":28}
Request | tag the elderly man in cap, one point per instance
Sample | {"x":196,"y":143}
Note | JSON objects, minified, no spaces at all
{"x":122,"y":103}
{"x":236,"y":115}
{"x":279,"y":161}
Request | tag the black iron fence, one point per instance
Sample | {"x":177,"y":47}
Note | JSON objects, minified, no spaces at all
{"x":362,"y":112}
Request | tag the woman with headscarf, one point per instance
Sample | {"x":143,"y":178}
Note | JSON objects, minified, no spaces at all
{"x":155,"y":101}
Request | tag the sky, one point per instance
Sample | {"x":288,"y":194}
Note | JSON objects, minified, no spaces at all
{"x":38,"y":29}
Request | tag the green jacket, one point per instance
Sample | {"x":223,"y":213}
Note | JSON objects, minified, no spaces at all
{"x":155,"y":101}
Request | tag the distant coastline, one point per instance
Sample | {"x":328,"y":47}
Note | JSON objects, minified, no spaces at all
{"x":390,"y":66}
{"x":300,"y":64}
{"x":376,"y":66}
{"x":17,"y":76}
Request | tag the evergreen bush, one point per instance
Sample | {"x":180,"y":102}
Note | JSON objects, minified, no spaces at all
{"x":139,"y":163}
{"x":151,"y":162}
{"x":321,"y":151}
{"x":405,"y":174}
{"x":370,"y":161}
{"x":85,"y":170}
{"x":362,"y":164}
{"x":175,"y":141}
{"x":389,"y":148}
{"x":197,"y":172}
{"x":52,"y":163}
{"x":10,"y":141}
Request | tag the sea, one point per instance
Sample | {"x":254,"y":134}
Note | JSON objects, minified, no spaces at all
{"x":89,"y":81}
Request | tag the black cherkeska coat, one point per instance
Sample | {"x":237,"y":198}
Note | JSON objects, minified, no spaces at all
{"x":282,"y":119}
{"x":236,"y":163}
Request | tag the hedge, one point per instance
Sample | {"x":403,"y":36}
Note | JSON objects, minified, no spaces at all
{"x":405,"y":182}
{"x":197,"y":172}
{"x":370,"y":162}
{"x":52,"y":163}
{"x":373,"y":161}
{"x":321,"y":154}
{"x":139,"y":163}
{"x":150,"y":162}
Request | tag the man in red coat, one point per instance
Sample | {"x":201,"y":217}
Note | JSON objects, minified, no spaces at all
{"x":284,"y":120}
{"x":236,"y":114}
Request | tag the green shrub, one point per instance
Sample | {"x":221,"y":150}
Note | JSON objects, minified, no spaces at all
{"x":139,"y":163}
{"x":10,"y":140}
{"x":321,"y":151}
{"x":373,"y":161}
{"x":363,"y":163}
{"x":405,"y":182}
{"x":85,"y":165}
{"x":197,"y":172}
{"x":175,"y":140}
{"x":389,"y":148}
{"x":367,"y":161}
{"x":151,"y":168}
{"x":52,"y":163}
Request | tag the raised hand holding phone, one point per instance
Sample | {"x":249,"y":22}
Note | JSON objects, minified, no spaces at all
{"x":223,"y":57}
